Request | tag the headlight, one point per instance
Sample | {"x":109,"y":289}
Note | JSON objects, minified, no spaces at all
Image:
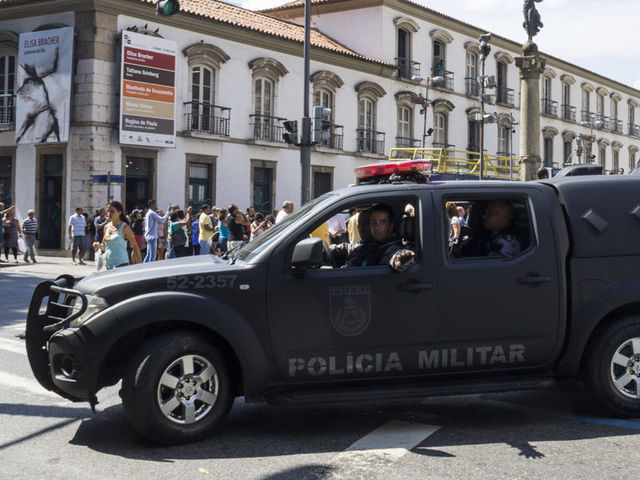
{"x":95,"y":304}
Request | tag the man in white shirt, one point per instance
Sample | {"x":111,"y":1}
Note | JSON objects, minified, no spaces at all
{"x":337,"y":229}
{"x":77,"y":231}
{"x":151,"y":221}
{"x":287,"y":209}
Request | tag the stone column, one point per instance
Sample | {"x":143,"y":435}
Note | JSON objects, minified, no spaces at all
{"x":531,"y":65}
{"x":94,"y":121}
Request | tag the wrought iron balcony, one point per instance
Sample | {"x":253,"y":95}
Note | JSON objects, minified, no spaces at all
{"x":568,"y":112}
{"x":407,"y":142}
{"x":207,"y":118}
{"x":266,"y":128}
{"x":370,"y":141}
{"x":616,"y":126}
{"x":504,"y":95}
{"x":407,"y":68}
{"x":447,"y":78}
{"x":587,"y":116}
{"x":336,"y":140}
{"x":443,"y":145}
{"x":602,"y":122}
{"x":472,"y":87}
{"x":634,"y":130}
{"x":549,"y":107}
{"x":7,"y":112}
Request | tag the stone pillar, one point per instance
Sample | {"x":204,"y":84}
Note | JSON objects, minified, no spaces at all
{"x":531,"y":65}
{"x":94,"y":108}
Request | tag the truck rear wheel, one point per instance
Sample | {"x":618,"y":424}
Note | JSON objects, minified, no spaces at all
{"x":176,"y":389}
{"x":613,"y":367}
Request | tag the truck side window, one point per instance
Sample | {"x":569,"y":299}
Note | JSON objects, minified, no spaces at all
{"x":369,"y":233}
{"x":490,"y":227}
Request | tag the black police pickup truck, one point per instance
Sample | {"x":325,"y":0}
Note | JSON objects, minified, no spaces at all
{"x":529,"y":283}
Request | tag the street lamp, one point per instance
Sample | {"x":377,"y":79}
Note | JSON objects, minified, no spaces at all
{"x":590,"y":139}
{"x":485,"y":49}
{"x":425,"y":100}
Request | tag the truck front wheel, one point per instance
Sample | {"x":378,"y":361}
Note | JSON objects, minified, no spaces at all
{"x":613,"y":367}
{"x":176,"y":388}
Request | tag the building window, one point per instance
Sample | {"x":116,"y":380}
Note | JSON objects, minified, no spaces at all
{"x":567,"y":151}
{"x":616,"y":160}
{"x":546,"y":88}
{"x":602,"y":156}
{"x":566,"y":94}
{"x":368,"y":139}
{"x":199,"y":184}
{"x":503,"y":141}
{"x":5,"y":180}
{"x":600,"y":106}
{"x":632,"y":115}
{"x":7,"y":91}
{"x":548,"y":152}
{"x":632,"y":160}
{"x":471,"y":74}
{"x":263,"y":108}
{"x":440,"y":130}
{"x":322,"y":180}
{"x":202,"y":97}
{"x":323,"y":98}
{"x":586,"y":103}
{"x":404,"y":62}
{"x":439,"y":60}
{"x":405,"y":127}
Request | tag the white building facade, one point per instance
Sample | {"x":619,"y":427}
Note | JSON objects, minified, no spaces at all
{"x":239,"y":74}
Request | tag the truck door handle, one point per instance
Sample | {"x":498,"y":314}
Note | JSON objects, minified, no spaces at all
{"x":534,"y":279}
{"x":412,"y":287}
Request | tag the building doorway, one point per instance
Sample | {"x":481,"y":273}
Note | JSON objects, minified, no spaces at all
{"x":50,"y":208}
{"x":139,"y":182}
{"x":6,"y":195}
{"x":263,"y":189}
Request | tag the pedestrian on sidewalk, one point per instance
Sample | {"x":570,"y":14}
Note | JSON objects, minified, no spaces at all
{"x":151,"y":221}
{"x":11,"y":231}
{"x":3,"y":211}
{"x":100,"y":221}
{"x":77,"y":226}
{"x":117,"y":234}
{"x":30,"y":230}
{"x":205,"y":230}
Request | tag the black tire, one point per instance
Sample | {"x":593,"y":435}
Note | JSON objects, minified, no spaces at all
{"x":201,"y":405}
{"x":611,"y":347}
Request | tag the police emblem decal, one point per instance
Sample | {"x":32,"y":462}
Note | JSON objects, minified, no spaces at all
{"x":350,"y":309}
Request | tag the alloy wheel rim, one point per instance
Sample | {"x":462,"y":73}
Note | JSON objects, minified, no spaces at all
{"x":625,"y":368}
{"x":188,"y":389}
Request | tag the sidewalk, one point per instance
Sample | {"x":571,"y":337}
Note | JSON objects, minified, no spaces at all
{"x":48,"y":266}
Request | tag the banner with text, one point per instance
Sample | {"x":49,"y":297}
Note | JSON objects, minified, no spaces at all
{"x":147,"y":93}
{"x":43,"y":86}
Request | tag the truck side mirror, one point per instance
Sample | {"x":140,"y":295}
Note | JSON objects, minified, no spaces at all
{"x":307,"y":254}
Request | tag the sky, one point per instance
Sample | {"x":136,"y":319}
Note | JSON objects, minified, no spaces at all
{"x":599,"y":35}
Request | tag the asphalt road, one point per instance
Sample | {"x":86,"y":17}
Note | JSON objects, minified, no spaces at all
{"x":542,"y":434}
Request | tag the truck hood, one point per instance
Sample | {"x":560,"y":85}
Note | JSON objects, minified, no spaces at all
{"x":138,"y":276}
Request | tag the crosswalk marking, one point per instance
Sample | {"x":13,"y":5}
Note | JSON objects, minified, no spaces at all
{"x":9,"y":381}
{"x":391,"y":441}
{"x":14,"y":346}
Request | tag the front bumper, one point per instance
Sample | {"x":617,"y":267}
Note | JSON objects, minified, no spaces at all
{"x":64,"y":360}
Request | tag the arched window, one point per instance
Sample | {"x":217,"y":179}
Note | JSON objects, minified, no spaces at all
{"x":439,"y":59}
{"x":471,"y":74}
{"x":587,"y":114}
{"x":369,"y":140}
{"x":440,"y":133}
{"x":602,"y":155}
{"x":263,"y":108}
{"x":8,"y":54}
{"x":205,"y":61}
{"x":547,"y":103}
{"x":202,"y":97}
{"x":504,"y":134}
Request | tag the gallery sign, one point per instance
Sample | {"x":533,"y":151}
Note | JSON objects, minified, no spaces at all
{"x":43,"y":86}
{"x":147,"y":93}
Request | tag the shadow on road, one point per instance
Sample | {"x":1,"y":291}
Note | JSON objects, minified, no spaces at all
{"x":258,"y":430}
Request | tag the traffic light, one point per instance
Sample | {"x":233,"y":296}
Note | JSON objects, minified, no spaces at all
{"x":321,"y":126}
{"x":291,"y":134}
{"x":166,"y":8}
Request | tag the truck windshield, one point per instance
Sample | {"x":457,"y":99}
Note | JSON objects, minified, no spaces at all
{"x":276,"y":232}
